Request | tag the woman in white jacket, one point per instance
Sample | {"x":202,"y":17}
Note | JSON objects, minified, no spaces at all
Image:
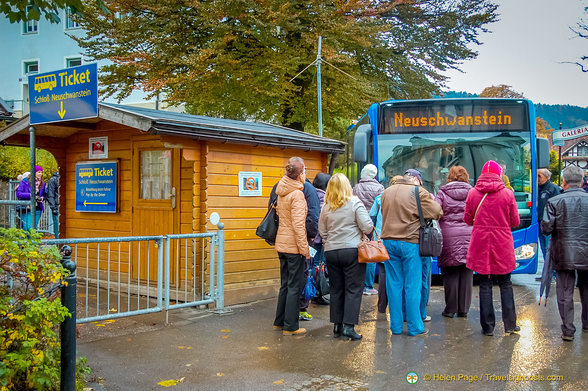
{"x":342,"y":221}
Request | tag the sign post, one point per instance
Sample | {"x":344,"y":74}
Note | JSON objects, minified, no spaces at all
{"x":64,"y":95}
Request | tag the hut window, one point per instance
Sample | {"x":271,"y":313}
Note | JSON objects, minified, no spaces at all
{"x":156,"y":174}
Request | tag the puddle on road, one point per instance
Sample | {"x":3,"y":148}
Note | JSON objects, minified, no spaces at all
{"x":331,"y":383}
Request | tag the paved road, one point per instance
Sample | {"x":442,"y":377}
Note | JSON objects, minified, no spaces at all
{"x":241,"y":351}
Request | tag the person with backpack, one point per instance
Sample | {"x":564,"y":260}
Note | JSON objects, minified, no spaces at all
{"x":320,"y":272}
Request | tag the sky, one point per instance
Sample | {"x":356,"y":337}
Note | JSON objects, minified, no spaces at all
{"x":527,"y":50}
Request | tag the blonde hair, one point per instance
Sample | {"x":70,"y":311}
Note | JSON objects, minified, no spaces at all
{"x":338,"y":192}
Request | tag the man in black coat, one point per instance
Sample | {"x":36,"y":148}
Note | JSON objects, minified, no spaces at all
{"x":53,"y":199}
{"x":565,"y":219}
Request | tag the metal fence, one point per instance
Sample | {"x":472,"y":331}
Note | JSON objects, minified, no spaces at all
{"x":124,"y":276}
{"x":11,"y":211}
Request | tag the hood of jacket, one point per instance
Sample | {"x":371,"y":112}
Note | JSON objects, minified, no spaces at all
{"x":457,"y":190}
{"x":287,"y":185}
{"x":489,"y":183}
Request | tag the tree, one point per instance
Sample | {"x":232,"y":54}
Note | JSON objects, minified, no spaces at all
{"x":16,"y":10}
{"x":543,"y":129}
{"x":582,"y":31}
{"x":501,"y":91}
{"x":16,"y":160}
{"x":246,"y":59}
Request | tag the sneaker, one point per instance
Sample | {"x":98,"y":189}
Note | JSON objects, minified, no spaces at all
{"x":370,"y":291}
{"x":488,"y":333}
{"x":278,"y":327}
{"x":303,"y":315}
{"x":300,"y":331}
{"x":427,"y":319}
{"x":424,"y":333}
{"x":515,"y":330}
{"x":568,"y":338}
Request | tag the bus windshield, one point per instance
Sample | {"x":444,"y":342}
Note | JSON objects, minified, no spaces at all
{"x":434,"y":153}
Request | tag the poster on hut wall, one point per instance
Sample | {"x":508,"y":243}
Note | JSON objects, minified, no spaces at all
{"x":97,"y":187}
{"x":249,"y":184}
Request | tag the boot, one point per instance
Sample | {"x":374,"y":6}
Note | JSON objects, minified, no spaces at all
{"x":349,"y":332}
{"x":337,"y":329}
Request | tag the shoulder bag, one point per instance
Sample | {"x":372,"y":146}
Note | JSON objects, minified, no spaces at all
{"x":430,"y":238}
{"x":371,"y":250}
{"x":268,"y":228}
{"x":478,"y":208}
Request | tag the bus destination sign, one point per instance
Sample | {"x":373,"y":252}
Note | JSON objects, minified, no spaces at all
{"x":452,"y":116}
{"x":64,"y":95}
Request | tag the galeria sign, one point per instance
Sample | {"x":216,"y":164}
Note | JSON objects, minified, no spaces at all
{"x":64,"y":95}
{"x":567,"y":134}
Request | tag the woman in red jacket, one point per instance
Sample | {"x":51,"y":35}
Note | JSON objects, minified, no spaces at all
{"x":492,"y":210}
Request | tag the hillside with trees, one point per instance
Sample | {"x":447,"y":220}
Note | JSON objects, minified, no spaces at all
{"x":570,"y":116}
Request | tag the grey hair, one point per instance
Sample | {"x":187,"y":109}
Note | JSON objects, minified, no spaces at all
{"x":295,"y":167}
{"x":573,"y":175}
{"x":545,"y":172}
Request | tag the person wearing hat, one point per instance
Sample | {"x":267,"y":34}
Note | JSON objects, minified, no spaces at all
{"x":367,"y":190}
{"x":492,"y":211}
{"x":24,"y":192}
{"x":400,"y":234}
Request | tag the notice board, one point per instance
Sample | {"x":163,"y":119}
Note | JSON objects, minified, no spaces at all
{"x":97,"y":187}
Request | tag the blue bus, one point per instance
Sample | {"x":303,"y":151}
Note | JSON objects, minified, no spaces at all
{"x":432,"y":135}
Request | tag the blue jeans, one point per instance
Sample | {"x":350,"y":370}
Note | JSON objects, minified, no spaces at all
{"x":404,"y":272}
{"x":26,"y":219}
{"x":370,"y":274}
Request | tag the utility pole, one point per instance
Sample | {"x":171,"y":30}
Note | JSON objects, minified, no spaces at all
{"x":559,"y":168}
{"x":318,"y":86}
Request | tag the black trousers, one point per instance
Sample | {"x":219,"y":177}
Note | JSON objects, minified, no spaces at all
{"x":382,"y":297}
{"x":457,"y":284}
{"x":487,"y":317}
{"x":346,"y":279}
{"x":565,"y":280}
{"x":291,"y":273}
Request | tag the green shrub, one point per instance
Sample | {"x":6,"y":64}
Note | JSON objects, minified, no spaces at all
{"x":30,"y":312}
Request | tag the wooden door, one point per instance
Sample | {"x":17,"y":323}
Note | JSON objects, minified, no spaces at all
{"x":156,"y":173}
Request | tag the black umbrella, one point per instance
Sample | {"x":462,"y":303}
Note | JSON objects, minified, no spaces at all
{"x":546,"y":275}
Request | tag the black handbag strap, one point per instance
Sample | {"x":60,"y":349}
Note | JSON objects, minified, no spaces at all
{"x":418,"y":201}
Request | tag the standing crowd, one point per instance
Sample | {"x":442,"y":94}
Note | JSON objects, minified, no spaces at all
{"x":475,"y":222}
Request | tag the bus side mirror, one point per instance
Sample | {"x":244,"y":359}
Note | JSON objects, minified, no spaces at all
{"x":542,"y":152}
{"x":361,"y":142}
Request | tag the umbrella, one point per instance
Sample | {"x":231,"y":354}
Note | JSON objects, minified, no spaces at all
{"x":546,"y":275}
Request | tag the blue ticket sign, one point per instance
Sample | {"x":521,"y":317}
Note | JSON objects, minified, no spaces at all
{"x":96,"y":187}
{"x":64,"y":95}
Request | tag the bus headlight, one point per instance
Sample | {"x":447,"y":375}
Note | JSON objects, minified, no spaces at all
{"x":526,"y":251}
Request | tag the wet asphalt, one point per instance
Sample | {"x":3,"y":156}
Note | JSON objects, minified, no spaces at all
{"x":239,"y":350}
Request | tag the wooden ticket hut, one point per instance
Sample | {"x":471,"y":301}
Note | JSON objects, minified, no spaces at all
{"x":174,"y":170}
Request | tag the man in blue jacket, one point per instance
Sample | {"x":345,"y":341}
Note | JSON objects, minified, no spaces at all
{"x":547,"y":189}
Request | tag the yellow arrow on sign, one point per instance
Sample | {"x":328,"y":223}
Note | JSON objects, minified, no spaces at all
{"x":61,"y":112}
{"x":95,"y":203}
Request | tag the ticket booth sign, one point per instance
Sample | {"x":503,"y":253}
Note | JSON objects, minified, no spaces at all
{"x":249,"y":184}
{"x":97,"y":187}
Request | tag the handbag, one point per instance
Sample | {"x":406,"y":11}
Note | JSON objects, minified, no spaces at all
{"x":268,"y":228}
{"x":371,"y":250}
{"x":430,"y":238}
